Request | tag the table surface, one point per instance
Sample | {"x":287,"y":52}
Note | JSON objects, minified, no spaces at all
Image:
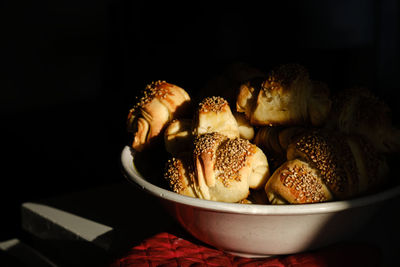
{"x":98,"y":225}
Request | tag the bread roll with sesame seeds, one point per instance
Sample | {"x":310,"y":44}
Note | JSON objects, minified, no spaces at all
{"x":224,"y":169}
{"x":358,"y":111}
{"x":215,"y":115}
{"x":332,"y":157}
{"x":160,"y":103}
{"x":286,"y":97}
{"x":296,"y":182}
{"x":180,"y":176}
{"x":347,"y":164}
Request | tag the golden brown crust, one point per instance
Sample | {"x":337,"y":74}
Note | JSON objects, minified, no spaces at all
{"x":286,"y":97}
{"x":296,"y":182}
{"x":180,"y":176}
{"x":231,"y":157}
{"x":215,"y":115}
{"x":159,"y":103}
{"x":205,"y":149}
{"x":332,"y":157}
{"x":223,"y":169}
{"x":281,"y":99}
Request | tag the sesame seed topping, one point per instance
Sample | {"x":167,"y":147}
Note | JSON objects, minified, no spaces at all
{"x":306,"y":186}
{"x":173,"y":174}
{"x":231,"y":158}
{"x":207,"y":143}
{"x":156,"y":89}
{"x":321,"y":154}
{"x":283,"y":76}
{"x":213,"y":104}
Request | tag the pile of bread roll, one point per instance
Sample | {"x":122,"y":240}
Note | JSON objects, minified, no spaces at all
{"x":275,"y":138}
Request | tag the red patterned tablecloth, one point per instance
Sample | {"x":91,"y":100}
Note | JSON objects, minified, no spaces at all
{"x":165,"y":249}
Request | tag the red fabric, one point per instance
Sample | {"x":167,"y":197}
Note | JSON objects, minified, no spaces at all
{"x":165,"y":249}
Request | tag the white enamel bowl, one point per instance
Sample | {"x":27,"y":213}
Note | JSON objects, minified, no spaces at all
{"x":262,"y":230}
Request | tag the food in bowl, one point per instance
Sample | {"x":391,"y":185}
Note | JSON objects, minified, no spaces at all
{"x":303,"y":151}
{"x":257,"y":230}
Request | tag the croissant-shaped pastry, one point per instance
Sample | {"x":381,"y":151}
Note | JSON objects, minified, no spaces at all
{"x":296,"y":182}
{"x":358,"y":111}
{"x":331,"y":155}
{"x":333,"y":167}
{"x":159,"y":104}
{"x":215,"y":115}
{"x":222,"y":169}
{"x":274,"y":141}
{"x":286,"y":97}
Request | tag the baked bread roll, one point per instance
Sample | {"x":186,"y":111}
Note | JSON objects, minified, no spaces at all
{"x":296,"y":182}
{"x":180,"y":176}
{"x":215,"y":115}
{"x":160,"y":103}
{"x":358,"y":111}
{"x":274,"y":141}
{"x":286,"y":97}
{"x":223,"y":169}
{"x":246,"y":130}
{"x":332,"y":157}
{"x":324,"y":166}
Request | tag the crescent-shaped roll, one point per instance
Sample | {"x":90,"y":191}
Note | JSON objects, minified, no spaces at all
{"x":180,"y":176}
{"x":160,"y":103}
{"x":215,"y":115}
{"x":296,"y":182}
{"x":348,"y":165}
{"x":358,"y":111}
{"x":224,"y":169}
{"x":285,"y":97}
{"x":332,"y":157}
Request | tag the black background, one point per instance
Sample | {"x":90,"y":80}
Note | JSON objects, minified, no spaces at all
{"x":72,"y":69}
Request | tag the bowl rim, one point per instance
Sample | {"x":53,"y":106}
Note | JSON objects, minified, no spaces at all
{"x":133,"y":176}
